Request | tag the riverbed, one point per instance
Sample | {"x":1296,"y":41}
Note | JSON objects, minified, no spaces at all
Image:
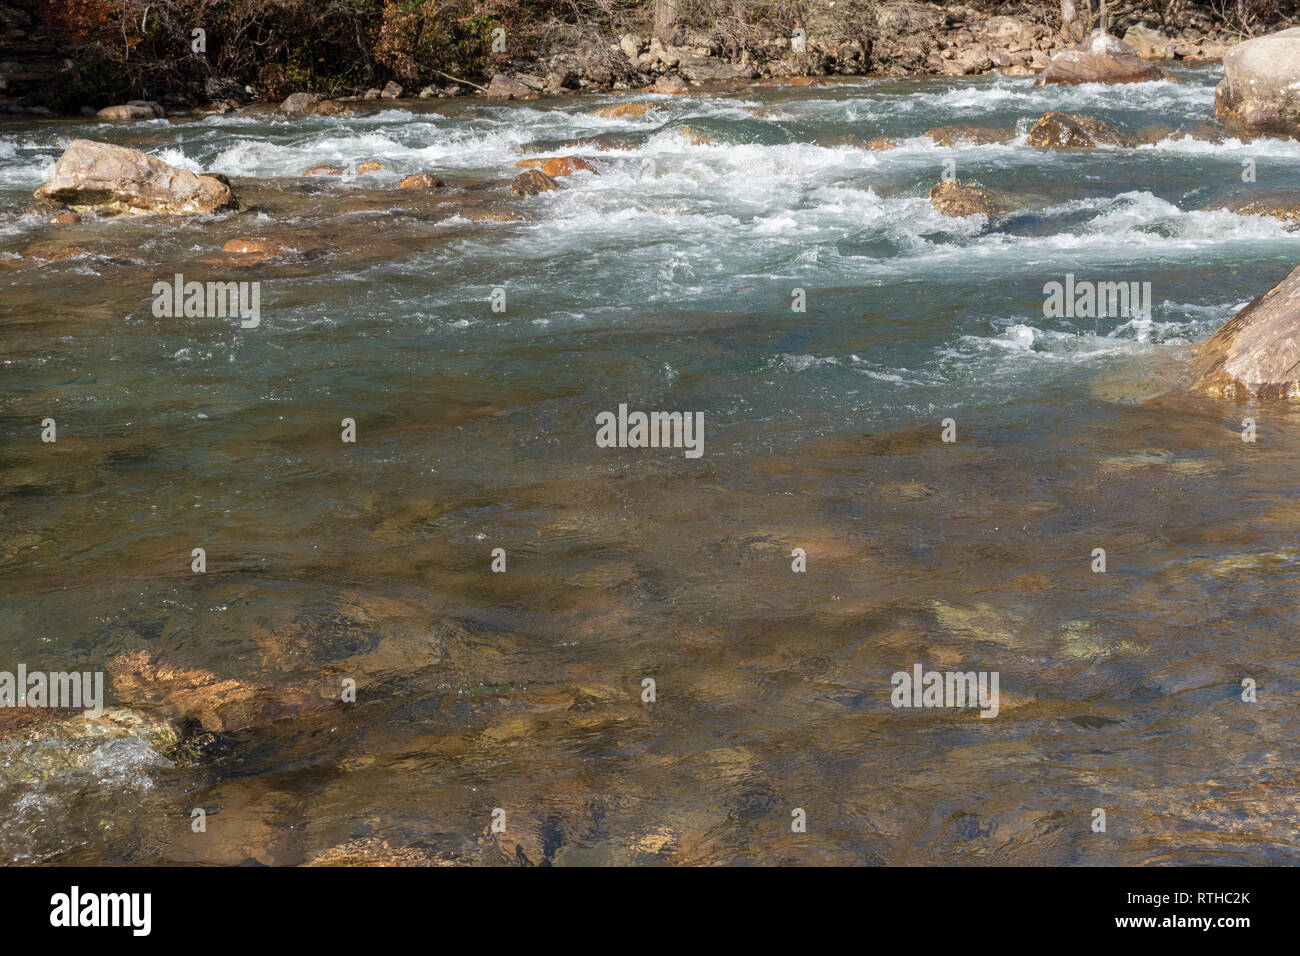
{"x":668,"y":280}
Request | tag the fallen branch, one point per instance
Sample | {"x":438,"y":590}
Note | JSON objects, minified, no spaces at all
{"x":465,"y":82}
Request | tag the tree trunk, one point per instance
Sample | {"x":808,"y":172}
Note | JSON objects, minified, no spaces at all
{"x":666,"y":15}
{"x":1068,"y":18}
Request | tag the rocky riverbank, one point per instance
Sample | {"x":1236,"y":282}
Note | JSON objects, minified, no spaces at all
{"x":899,"y":39}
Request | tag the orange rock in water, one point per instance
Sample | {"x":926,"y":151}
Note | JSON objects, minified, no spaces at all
{"x":370,"y":166}
{"x":421,"y":181}
{"x":64,"y":219}
{"x":531,"y":182}
{"x":218,"y":704}
{"x":952,"y":198}
{"x":694,"y":136}
{"x":325,"y":170}
{"x":1072,"y":131}
{"x":57,"y":255}
{"x":882,"y":145}
{"x":245,"y":245}
{"x":623,"y":109}
{"x":566,"y":165}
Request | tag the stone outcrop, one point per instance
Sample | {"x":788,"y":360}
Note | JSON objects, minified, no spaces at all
{"x":1261,"y":84}
{"x":297,"y":105}
{"x":1101,"y":58}
{"x":669,"y":86}
{"x":503,"y":87}
{"x":531,"y":182}
{"x":1256,"y":353}
{"x":707,"y":69}
{"x":952,"y":198}
{"x":1070,"y":131}
{"x":129,"y":112}
{"x":99,"y":177}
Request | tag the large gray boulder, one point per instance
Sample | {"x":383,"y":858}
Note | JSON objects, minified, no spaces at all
{"x":1256,"y":353}
{"x":92,"y":176}
{"x":1101,"y":58}
{"x":297,"y":105}
{"x":1261,"y":84}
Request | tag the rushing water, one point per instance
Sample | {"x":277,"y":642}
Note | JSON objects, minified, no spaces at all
{"x":666,"y":285}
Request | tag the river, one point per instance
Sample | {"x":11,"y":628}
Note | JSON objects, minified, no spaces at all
{"x":668,"y":281}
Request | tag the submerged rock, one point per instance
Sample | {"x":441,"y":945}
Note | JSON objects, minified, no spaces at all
{"x":119,"y":745}
{"x":370,"y":166}
{"x":373,"y":851}
{"x":1261,"y":84}
{"x":1068,"y":131}
{"x":952,"y":198}
{"x":1101,"y":58}
{"x":1279,"y":205}
{"x":621,"y":110}
{"x":531,"y":182}
{"x":966,"y":134}
{"x":98,"y":176}
{"x":199,"y":696}
{"x":327,"y":169}
{"x":1256,"y":353}
{"x":245,"y":245}
{"x":489,"y":215}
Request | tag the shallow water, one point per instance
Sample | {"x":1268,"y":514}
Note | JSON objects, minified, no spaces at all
{"x":666,"y":285}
